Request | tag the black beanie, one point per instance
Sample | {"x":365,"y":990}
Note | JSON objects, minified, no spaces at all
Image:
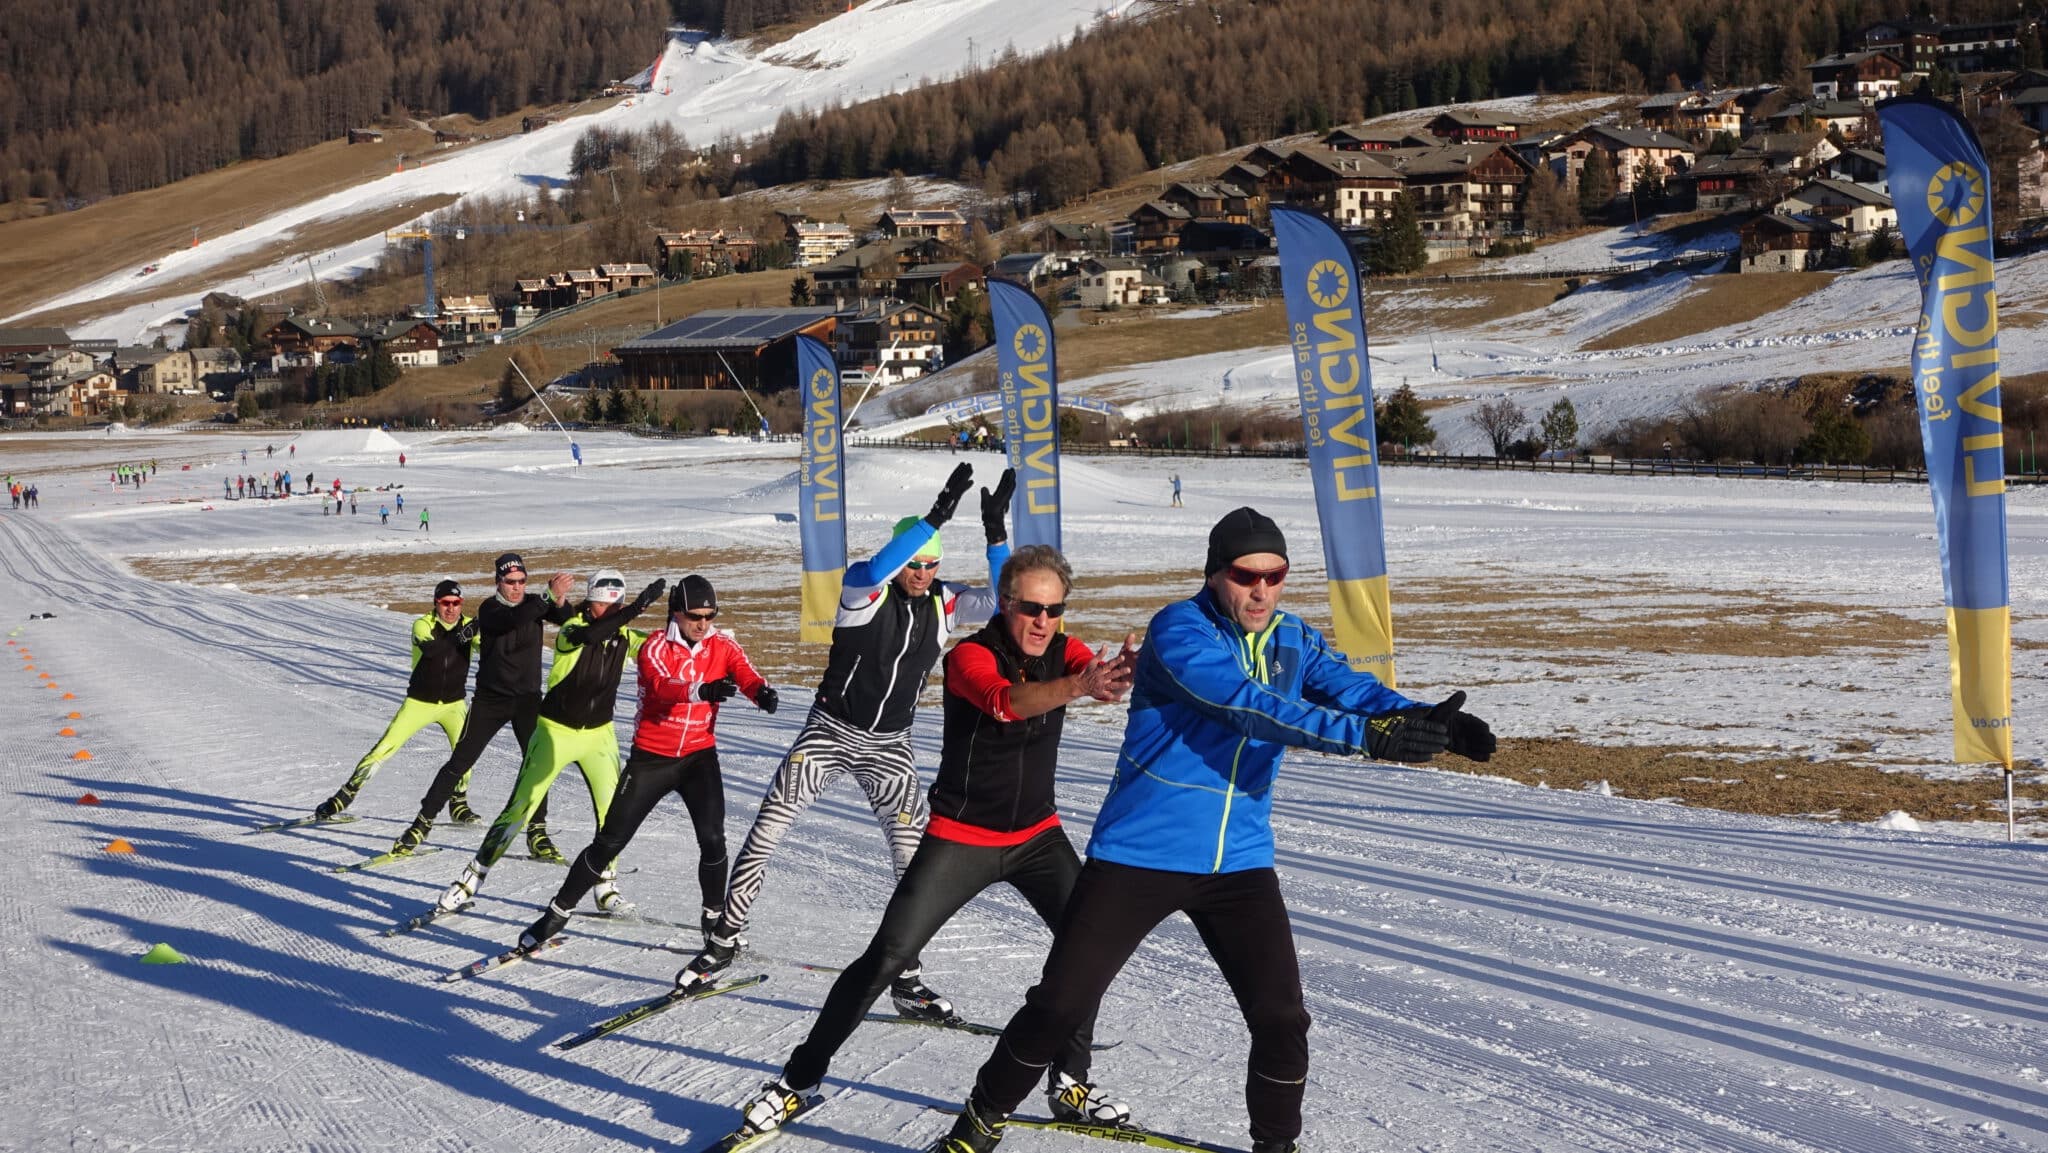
{"x":692,"y":593}
{"x":509,"y":561}
{"x":447,"y":589}
{"x":1242,"y":532}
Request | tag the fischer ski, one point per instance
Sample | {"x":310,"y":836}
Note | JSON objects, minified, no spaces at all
{"x":646,"y":1009}
{"x":304,"y":822}
{"x":963,"y":1025}
{"x":497,"y":961}
{"x":742,"y":1138}
{"x":427,"y":918}
{"x":386,"y":858}
{"x":1121,"y":1134}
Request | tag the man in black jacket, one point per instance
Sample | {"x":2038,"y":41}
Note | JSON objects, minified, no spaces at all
{"x":442,"y":642}
{"x":993,"y":821}
{"x":507,"y":691}
{"x":893,"y":621}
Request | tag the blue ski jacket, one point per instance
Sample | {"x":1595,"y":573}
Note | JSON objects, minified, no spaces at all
{"x":1212,"y":710}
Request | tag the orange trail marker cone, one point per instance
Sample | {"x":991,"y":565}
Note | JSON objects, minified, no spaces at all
{"x":118,"y":845}
{"x":42,"y":676}
{"x":70,"y":716}
{"x":162,"y":954}
{"x":70,"y":696}
{"x":81,"y":755}
{"x":88,"y":799}
{"x":67,"y":731}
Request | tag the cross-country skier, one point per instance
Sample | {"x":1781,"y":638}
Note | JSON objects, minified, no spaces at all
{"x":507,"y":691}
{"x":1007,"y":691}
{"x":686,"y":672}
{"x":1226,"y":682}
{"x":442,"y":642}
{"x":575,"y":727}
{"x":890,"y":629}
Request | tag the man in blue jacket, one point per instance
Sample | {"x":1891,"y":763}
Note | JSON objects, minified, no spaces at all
{"x":1226,"y":682}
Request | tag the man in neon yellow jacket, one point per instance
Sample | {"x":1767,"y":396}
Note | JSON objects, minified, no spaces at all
{"x":591,"y":652}
{"x":442,"y":643}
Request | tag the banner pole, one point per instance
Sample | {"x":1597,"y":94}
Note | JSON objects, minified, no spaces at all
{"x":2008,"y":807}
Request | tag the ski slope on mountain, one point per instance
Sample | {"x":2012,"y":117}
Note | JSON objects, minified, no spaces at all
{"x":708,"y":89}
{"x":1489,"y":967}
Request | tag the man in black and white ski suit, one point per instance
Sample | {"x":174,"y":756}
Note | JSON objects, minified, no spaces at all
{"x":894,"y":618}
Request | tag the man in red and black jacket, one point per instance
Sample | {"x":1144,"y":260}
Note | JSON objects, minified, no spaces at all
{"x":686,"y":671}
{"x":992,"y":820}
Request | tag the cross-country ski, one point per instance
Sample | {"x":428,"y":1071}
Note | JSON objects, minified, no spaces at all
{"x":304,"y":823}
{"x":1119,"y":1134}
{"x":661,"y":1004}
{"x":498,"y":961}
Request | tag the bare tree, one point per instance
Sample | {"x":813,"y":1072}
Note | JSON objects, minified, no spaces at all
{"x":1502,"y":421}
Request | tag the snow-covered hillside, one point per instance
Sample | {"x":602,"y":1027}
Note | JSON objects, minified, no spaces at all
{"x":708,"y":89}
{"x":1489,"y":967}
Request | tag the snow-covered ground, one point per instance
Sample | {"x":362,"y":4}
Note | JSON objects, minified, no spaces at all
{"x":1489,"y":966}
{"x":708,"y":89}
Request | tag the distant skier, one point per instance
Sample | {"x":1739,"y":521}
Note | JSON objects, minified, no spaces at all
{"x":507,"y":691}
{"x":383,"y":514}
{"x":686,"y":672}
{"x":575,"y":726}
{"x":1176,"y":490}
{"x":442,"y":643}
{"x":423,"y":519}
{"x":1225,"y":684}
{"x":894,"y":618}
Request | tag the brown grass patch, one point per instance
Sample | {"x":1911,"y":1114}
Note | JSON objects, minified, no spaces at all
{"x":44,"y":256}
{"x":1757,"y":781}
{"x":1715,"y":301}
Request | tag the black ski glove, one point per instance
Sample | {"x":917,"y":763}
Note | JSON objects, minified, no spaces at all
{"x":996,"y":505}
{"x":949,"y":497}
{"x":768,"y":700}
{"x":1413,"y":735}
{"x":464,"y":633}
{"x":1470,"y":737}
{"x":651,"y":593}
{"x":718,"y":691}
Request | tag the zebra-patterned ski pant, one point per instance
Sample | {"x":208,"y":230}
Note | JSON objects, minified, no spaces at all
{"x":880,"y":764}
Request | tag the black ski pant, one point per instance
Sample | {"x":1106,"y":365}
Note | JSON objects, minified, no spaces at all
{"x":1241,"y":918}
{"x":648,"y":777}
{"x":943,"y":877}
{"x":488,"y":712}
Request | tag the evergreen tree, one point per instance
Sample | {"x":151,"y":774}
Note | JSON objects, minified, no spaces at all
{"x":1596,"y":185}
{"x":1835,"y":438}
{"x":800,"y":291}
{"x":1398,"y":246}
{"x":1401,"y":421}
{"x":1560,"y":426}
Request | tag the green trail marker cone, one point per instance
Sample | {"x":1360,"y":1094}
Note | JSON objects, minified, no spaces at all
{"x":162,"y":954}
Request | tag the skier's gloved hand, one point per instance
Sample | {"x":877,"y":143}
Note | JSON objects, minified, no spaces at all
{"x":651,"y":593}
{"x":718,"y":691}
{"x":949,"y":497}
{"x":768,"y":700}
{"x":1471,"y":737}
{"x":1412,"y":735}
{"x":996,"y":505}
{"x":465,"y":632}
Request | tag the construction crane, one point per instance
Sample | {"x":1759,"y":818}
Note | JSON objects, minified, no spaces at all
{"x":425,"y":236}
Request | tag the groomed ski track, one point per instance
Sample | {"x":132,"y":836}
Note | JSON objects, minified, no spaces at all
{"x":1489,"y":967}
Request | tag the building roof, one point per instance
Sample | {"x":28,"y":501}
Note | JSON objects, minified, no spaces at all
{"x":1636,"y":137}
{"x":630,"y":269}
{"x":1165,"y":208}
{"x":729,"y":328}
{"x":2030,"y":97}
{"x":1848,"y":59}
{"x":1667,"y":99}
{"x":1362,"y":165}
{"x":1479,"y":118}
{"x":1445,"y":160}
{"x":1208,"y":189}
{"x":1018,"y":265}
{"x":311,"y":326}
{"x":923,"y":216}
{"x":1780,"y":144}
{"x":225,"y":356}
{"x":823,"y":228}
{"x":1794,"y":223}
{"x":1850,"y":190}
{"x":1114,"y":264}
{"x":385,"y":330}
{"x":476,"y":303}
{"x":1824,"y":110}
{"x":9,"y":337}
{"x":942,"y":268}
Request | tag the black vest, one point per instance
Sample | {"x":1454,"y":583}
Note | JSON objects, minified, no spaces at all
{"x":877,"y":668}
{"x":993,"y":774}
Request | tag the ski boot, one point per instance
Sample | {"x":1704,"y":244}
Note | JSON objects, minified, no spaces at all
{"x":707,"y":922}
{"x":608,"y":897}
{"x":543,"y":930}
{"x":1281,"y":1146}
{"x":460,"y":812}
{"x":540,"y":847}
{"x":773,"y":1105}
{"x":1081,"y":1103}
{"x":718,"y":956}
{"x":333,"y":806}
{"x":413,"y":837}
{"x":463,"y":891}
{"x":913,"y":998}
{"x":974,"y":1131}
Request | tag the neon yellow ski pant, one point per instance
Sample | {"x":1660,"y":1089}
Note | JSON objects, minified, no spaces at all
{"x":555,"y":746}
{"x":413,"y":715}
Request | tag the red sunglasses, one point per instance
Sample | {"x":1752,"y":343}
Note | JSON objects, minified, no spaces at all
{"x":449,"y":601}
{"x":1248,"y":577}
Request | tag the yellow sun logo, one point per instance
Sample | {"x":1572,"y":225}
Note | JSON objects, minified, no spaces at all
{"x":1956,"y":194}
{"x":1029,"y":342}
{"x":1329,"y":284}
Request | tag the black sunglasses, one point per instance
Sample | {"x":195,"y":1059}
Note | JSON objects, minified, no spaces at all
{"x":1024,"y":608}
{"x":700,"y":616}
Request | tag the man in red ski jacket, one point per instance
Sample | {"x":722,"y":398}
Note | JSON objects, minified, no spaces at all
{"x":686,"y":672}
